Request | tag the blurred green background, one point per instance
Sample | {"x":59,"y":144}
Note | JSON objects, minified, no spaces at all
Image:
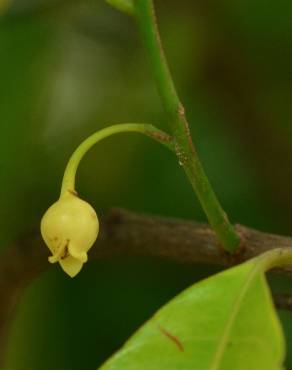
{"x":68,"y":68}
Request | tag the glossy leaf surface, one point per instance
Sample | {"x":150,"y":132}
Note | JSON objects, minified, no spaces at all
{"x":225,"y":322}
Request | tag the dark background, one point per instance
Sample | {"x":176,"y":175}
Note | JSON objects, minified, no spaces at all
{"x":68,"y":68}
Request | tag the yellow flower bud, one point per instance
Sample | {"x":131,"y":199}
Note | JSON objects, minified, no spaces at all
{"x":69,"y":228}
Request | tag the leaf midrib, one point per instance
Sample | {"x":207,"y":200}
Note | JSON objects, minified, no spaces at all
{"x":229,"y":323}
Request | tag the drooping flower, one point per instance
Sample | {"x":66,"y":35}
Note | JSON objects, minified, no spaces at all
{"x":69,"y":228}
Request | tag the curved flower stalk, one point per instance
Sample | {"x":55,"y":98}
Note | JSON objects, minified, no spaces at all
{"x":70,"y":226}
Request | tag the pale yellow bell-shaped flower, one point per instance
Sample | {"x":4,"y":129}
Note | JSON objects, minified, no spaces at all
{"x":69,"y":228}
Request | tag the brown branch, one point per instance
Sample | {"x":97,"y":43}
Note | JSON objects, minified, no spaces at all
{"x":125,"y":232}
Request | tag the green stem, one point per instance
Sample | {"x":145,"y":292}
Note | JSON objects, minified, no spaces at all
{"x":68,"y":183}
{"x":185,"y":150}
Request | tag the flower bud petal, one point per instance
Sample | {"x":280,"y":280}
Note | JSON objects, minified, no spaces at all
{"x":71,"y":266}
{"x":79,"y":255}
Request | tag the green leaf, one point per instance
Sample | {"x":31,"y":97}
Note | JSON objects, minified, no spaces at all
{"x":126,"y":6}
{"x":226,"y":322}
